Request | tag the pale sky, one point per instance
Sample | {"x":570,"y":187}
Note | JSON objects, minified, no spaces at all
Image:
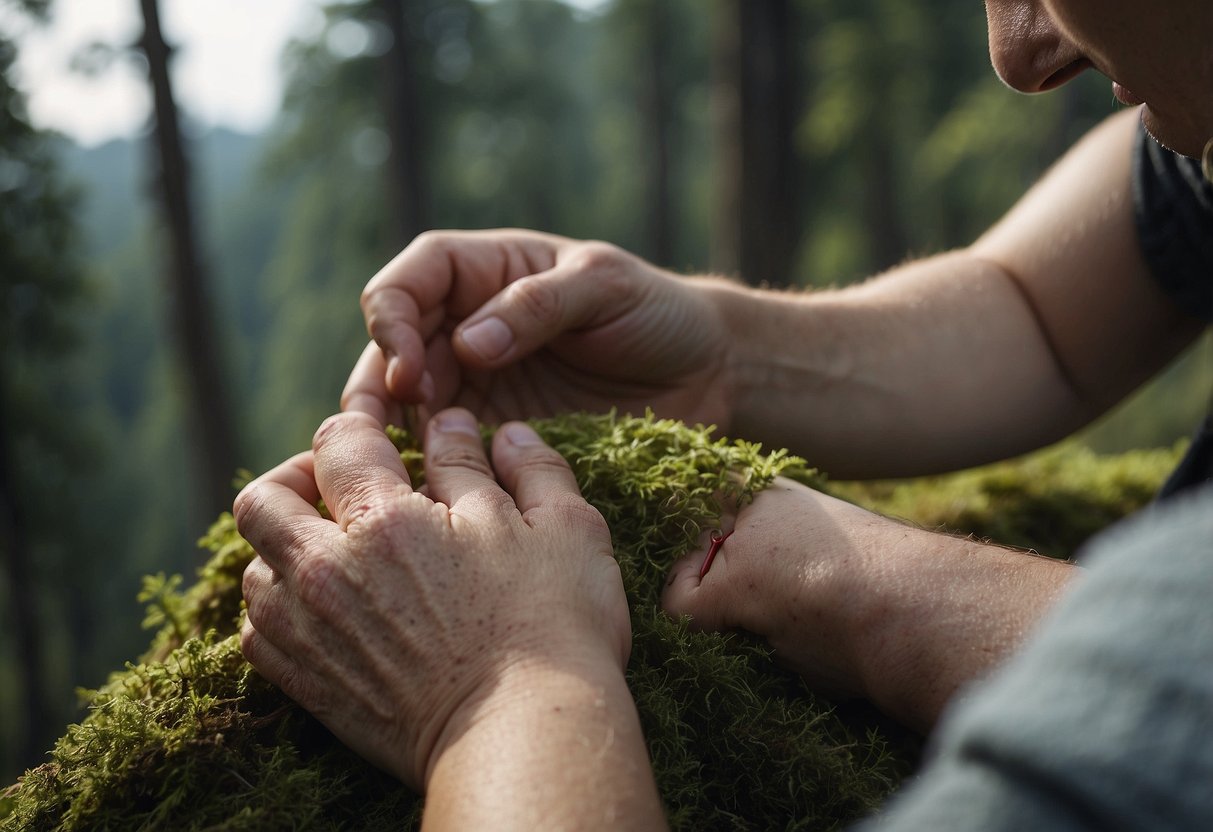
{"x":226,"y":70}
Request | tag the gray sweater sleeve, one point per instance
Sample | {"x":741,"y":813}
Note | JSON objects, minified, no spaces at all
{"x":1105,"y":720}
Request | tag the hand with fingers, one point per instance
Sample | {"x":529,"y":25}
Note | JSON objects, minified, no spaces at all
{"x":861,"y":605}
{"x":479,"y":630}
{"x":517,"y":324}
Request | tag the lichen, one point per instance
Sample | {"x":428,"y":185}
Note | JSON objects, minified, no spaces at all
{"x":191,"y":738}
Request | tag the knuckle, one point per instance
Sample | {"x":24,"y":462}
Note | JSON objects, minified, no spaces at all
{"x":599,"y":257}
{"x":248,"y":508}
{"x":574,"y":510}
{"x":537,"y":297}
{"x":318,"y":585}
{"x":329,"y":427}
{"x":462,"y":455}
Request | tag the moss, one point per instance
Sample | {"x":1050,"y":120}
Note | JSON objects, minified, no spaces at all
{"x":192,"y":738}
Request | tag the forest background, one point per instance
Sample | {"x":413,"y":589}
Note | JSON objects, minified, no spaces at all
{"x":801,"y":142}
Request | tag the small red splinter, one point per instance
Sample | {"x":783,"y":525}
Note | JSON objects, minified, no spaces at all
{"x":718,"y":538}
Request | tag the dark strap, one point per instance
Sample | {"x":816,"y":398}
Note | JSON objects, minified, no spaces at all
{"x":1197,"y":465}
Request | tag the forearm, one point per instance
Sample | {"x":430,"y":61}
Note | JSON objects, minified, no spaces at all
{"x":1042,"y":324}
{"x":944,"y":612}
{"x":550,"y":749}
{"x":937,"y":365}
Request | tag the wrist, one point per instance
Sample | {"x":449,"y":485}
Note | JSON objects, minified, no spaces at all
{"x":527,"y":690}
{"x":942,"y":612}
{"x":552,"y":745}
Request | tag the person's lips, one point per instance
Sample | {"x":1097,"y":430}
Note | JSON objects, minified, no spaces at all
{"x":1124,"y":95}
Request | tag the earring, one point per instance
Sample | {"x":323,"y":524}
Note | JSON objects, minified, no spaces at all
{"x":1206,"y":161}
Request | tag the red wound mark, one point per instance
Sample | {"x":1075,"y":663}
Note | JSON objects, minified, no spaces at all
{"x":718,"y":540}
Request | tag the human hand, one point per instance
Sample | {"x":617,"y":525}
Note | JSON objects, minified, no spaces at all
{"x":405,"y":617}
{"x":514,"y":324}
{"x":792,"y":572}
{"x":864,"y":606}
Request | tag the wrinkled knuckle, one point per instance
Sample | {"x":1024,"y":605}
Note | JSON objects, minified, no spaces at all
{"x":249,"y":507}
{"x":250,"y":641}
{"x":599,"y":257}
{"x":462,"y":456}
{"x":332,"y":425}
{"x":574,"y":510}
{"x":318,"y":585}
{"x":295,"y":684}
{"x":249,"y":587}
{"x":538,"y":298}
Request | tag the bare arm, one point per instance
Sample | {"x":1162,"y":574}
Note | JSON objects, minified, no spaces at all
{"x":1042,"y":324}
{"x":860,"y":605}
{"x":559,"y":749}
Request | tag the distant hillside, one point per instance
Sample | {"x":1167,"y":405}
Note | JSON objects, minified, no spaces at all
{"x":114,"y":182}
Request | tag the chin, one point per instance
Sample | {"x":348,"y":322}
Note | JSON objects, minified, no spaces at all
{"x":1172,"y":137}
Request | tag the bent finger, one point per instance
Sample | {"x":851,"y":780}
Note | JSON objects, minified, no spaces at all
{"x":593,"y":286}
{"x":703,"y":599}
{"x":356,"y":465}
{"x":276,"y":666}
{"x":366,"y":390}
{"x":451,"y":271}
{"x":276,"y":513}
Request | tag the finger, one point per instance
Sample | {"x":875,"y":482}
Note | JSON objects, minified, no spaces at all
{"x":366,"y":391}
{"x":455,"y":462}
{"x":534,"y":473}
{"x":454,"y":272}
{"x":275,"y":666}
{"x":704,"y":600}
{"x":357,"y":466}
{"x":276,"y":513}
{"x":592,"y":286}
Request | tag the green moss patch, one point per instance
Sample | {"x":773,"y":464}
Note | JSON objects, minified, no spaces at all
{"x":192,"y":738}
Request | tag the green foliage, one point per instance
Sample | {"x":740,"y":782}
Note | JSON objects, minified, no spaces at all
{"x":1050,"y":502}
{"x":192,"y":738}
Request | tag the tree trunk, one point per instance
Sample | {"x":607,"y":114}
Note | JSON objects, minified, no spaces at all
{"x":407,"y":188}
{"x":756,"y":111}
{"x":24,"y":619}
{"x":726,"y":133}
{"x":655,"y":109}
{"x":190,"y":314}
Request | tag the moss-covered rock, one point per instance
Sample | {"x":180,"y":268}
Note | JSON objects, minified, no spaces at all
{"x":192,"y":738}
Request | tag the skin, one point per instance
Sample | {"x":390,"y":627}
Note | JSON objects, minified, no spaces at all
{"x":1052,"y":311}
{"x":1161,"y":53}
{"x":407,"y":623}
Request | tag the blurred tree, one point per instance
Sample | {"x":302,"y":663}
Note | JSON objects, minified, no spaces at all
{"x":407,"y":183}
{"x":757,"y":224}
{"x":216,"y":456}
{"x":43,"y":446}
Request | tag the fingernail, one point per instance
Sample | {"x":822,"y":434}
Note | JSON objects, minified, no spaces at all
{"x":489,"y":338}
{"x":521,"y":435}
{"x":427,"y":386}
{"x":393,"y":367}
{"x":456,"y":421}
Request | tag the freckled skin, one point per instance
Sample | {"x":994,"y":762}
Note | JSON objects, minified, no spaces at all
{"x":408,"y":623}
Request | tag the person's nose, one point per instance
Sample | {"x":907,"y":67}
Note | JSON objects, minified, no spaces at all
{"x":1029,"y":52}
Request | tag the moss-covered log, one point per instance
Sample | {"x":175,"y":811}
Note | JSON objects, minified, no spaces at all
{"x":192,"y":738}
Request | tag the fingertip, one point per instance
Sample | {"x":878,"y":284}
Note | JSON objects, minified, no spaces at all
{"x":455,"y":420}
{"x":521,"y":435}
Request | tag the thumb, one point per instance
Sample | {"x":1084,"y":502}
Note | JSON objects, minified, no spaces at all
{"x":534,"y":310}
{"x":705,"y":599}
